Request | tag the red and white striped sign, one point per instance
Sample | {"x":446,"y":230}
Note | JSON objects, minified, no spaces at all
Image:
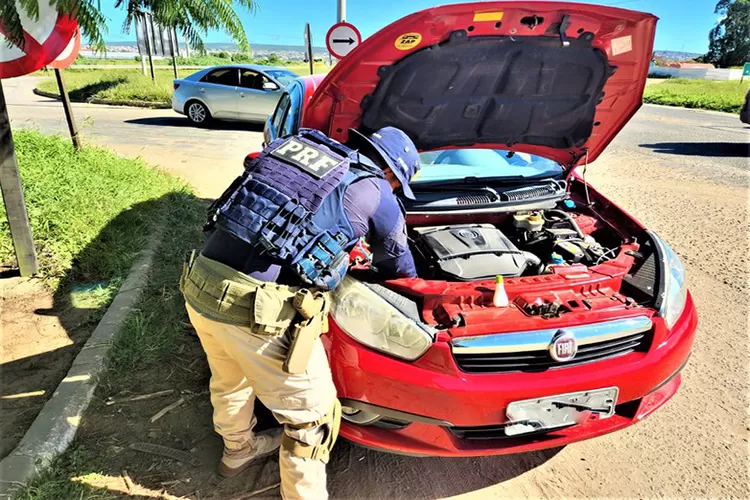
{"x":70,"y":53}
{"x":44,"y":39}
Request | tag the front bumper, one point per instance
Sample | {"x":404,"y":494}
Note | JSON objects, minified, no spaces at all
{"x":458,"y":413}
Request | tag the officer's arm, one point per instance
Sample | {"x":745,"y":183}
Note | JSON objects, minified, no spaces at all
{"x":387,"y":237}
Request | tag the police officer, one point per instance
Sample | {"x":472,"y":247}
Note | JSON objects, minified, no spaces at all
{"x":258,"y":292}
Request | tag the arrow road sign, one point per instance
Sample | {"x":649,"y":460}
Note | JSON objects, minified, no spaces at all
{"x":341,"y":39}
{"x":44,"y":39}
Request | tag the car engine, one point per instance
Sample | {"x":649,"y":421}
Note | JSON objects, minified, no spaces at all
{"x":525,"y":245}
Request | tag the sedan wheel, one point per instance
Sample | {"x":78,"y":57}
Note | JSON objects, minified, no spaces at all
{"x":197,"y":113}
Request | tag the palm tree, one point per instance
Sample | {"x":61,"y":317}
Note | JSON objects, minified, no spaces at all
{"x":194,"y":18}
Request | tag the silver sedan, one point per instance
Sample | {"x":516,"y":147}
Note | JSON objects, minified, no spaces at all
{"x":242,"y":92}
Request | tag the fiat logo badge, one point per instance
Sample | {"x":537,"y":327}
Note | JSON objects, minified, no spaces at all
{"x":563,"y":346}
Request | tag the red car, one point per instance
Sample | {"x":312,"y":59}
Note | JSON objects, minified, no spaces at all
{"x":505,"y":100}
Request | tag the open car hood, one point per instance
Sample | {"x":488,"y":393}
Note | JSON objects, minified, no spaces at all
{"x":552,"y":79}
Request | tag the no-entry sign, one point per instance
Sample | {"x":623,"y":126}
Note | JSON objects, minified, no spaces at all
{"x":44,"y":39}
{"x":70,"y":53}
{"x":341,"y":39}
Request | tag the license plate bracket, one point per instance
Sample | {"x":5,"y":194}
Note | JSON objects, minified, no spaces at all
{"x":558,"y":411}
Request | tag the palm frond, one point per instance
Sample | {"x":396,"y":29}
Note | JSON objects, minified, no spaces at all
{"x":194,"y":18}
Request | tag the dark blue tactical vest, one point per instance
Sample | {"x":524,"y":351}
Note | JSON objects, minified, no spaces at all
{"x":289,"y":204}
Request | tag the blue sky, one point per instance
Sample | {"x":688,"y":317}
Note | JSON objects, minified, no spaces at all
{"x":683,"y":24}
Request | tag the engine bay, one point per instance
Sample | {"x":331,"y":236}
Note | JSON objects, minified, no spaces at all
{"x":527,"y":243}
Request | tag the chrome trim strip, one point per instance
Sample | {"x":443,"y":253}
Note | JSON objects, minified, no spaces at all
{"x":538,"y":340}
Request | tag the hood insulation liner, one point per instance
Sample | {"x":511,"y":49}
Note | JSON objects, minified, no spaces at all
{"x":492,"y":90}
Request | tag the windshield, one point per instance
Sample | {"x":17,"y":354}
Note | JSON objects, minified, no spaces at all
{"x":496,"y":163}
{"x":284,"y":76}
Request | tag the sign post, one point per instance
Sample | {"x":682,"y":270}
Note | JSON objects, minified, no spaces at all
{"x":64,"y":60}
{"x":341,"y":39}
{"x":308,"y":47}
{"x":44,"y":38}
{"x":15,"y":206}
{"x":745,"y":71}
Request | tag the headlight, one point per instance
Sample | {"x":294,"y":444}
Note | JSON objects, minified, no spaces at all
{"x":674,"y":293}
{"x":368,"y":318}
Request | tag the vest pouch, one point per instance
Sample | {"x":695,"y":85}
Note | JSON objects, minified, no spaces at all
{"x":274,"y":310}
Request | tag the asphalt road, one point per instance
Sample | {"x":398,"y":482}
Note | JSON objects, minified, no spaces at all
{"x":684,"y":174}
{"x":209,"y":159}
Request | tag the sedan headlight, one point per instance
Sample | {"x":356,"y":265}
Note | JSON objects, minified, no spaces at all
{"x":674,"y":292}
{"x":368,"y":318}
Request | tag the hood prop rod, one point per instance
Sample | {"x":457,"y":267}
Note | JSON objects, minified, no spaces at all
{"x":564,"y":25}
{"x":585,"y":182}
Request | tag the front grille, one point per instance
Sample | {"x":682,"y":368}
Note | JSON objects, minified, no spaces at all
{"x":540,"y":360}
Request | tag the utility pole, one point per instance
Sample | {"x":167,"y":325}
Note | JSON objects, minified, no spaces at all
{"x":341,"y":11}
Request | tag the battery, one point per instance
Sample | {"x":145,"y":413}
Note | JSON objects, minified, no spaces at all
{"x":570,"y":251}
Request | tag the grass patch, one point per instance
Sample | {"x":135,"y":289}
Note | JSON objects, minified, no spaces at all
{"x":115,"y":84}
{"x":82,"y":208}
{"x":702,"y":94}
{"x":153,"y":337}
{"x":123,"y":85}
{"x":152,"y":333}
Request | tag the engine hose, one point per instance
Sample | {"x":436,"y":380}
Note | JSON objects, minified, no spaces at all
{"x":569,"y":218}
{"x":533,"y":260}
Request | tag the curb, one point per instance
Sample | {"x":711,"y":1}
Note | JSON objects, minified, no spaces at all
{"x":108,"y":102}
{"x":55,"y":427}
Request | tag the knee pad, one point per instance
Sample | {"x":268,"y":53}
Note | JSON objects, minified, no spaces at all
{"x":329,"y":424}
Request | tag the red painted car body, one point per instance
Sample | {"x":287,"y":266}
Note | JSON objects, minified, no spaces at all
{"x":431,"y":406}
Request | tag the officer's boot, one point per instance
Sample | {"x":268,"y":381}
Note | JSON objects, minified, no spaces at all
{"x":234,"y":462}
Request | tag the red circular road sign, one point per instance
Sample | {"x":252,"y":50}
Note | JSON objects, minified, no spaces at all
{"x":70,"y":53}
{"x":44,"y":39}
{"x":341,"y":39}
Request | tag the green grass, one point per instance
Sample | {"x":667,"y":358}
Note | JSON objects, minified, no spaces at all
{"x":90,"y":211}
{"x":124,"y":85}
{"x":701,"y":94}
{"x":115,"y":84}
{"x":153,"y":336}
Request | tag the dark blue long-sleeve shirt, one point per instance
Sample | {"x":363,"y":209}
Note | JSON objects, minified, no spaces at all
{"x":374,"y":213}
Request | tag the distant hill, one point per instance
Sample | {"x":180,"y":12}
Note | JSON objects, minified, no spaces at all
{"x":675,"y":55}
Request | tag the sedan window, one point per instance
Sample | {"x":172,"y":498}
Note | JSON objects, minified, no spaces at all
{"x":250,"y":79}
{"x":222,"y":76}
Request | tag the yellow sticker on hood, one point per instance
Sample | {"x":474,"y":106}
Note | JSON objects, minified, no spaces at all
{"x":488,"y":16}
{"x":408,"y":41}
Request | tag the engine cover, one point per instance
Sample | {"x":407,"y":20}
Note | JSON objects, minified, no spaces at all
{"x":469,"y":252}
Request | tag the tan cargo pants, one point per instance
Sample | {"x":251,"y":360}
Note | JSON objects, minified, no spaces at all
{"x":243,"y":366}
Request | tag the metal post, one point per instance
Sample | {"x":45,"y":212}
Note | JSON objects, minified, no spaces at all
{"x":171,"y":51}
{"x":308,"y":41}
{"x":148,"y":47}
{"x":142,"y":56}
{"x":176,"y":41}
{"x":15,"y":206}
{"x":342,"y":10}
{"x":72,"y":127}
